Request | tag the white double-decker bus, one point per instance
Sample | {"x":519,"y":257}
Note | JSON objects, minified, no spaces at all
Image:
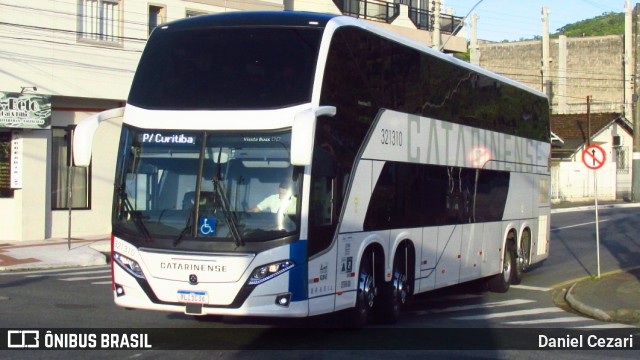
{"x":293,"y":164}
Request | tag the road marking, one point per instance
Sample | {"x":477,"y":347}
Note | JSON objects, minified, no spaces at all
{"x":457,"y":297}
{"x":549,"y":321}
{"x":577,"y":225}
{"x":480,"y":306}
{"x":534,"y":288}
{"x":608,"y":326}
{"x":69,"y":273}
{"x":101,"y":283}
{"x":511,"y":313}
{"x":5,"y":273}
{"x":86,"y":278}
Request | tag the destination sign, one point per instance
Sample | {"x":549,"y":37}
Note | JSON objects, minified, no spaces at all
{"x":167,"y":139}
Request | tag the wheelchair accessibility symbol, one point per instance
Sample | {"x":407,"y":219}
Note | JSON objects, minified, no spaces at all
{"x":207,"y":226}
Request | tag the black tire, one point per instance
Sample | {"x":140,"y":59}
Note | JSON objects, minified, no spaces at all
{"x":500,"y":282}
{"x":524,"y":255}
{"x":395,"y":293}
{"x":361,"y":314}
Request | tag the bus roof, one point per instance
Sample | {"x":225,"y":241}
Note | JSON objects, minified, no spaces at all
{"x":253,"y":18}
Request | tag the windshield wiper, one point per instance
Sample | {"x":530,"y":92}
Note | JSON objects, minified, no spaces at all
{"x":229,"y":216}
{"x":186,"y":230}
{"x":135,"y":215}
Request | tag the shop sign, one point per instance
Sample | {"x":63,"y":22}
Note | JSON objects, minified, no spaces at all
{"x":16,"y":159}
{"x":25,"y":111}
{"x":5,"y":164}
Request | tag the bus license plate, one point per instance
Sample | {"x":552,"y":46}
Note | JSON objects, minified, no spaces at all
{"x":193,"y":297}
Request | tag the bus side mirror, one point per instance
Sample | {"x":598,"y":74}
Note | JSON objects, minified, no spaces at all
{"x":303,"y":132}
{"x":83,"y":135}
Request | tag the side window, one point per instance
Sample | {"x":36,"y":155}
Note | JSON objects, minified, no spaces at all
{"x":396,"y":198}
{"x":491,"y":195}
{"x":381,"y":207}
{"x":323,"y":207}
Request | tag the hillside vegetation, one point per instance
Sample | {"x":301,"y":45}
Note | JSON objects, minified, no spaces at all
{"x":605,"y":24}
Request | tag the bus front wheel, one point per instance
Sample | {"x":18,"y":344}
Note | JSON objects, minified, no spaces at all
{"x":366,"y":293}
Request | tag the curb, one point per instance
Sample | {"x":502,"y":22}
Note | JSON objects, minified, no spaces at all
{"x":560,"y":210}
{"x":585,"y":309}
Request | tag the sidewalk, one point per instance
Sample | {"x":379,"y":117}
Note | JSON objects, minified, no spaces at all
{"x":615,"y":297}
{"x":54,"y":253}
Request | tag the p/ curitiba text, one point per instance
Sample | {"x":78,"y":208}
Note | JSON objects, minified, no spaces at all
{"x":585,"y":342}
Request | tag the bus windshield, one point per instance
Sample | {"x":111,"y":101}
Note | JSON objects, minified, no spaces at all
{"x":226,"y":68}
{"x":206,"y":186}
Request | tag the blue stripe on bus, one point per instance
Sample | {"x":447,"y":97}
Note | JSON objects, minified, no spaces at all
{"x":298,"y":275}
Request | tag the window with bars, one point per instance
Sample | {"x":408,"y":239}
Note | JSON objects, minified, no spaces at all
{"x":622,"y":165}
{"x":193,"y":13}
{"x":100,"y":20}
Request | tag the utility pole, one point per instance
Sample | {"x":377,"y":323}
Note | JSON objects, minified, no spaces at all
{"x":436,"y":25}
{"x":473,"y":44}
{"x":628,"y":60}
{"x":546,"y":60}
{"x":635,"y":165}
{"x":563,"y":56}
{"x":588,"y":121}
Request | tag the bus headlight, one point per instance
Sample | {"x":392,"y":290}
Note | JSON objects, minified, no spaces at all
{"x":131,"y":266}
{"x":267,"y":272}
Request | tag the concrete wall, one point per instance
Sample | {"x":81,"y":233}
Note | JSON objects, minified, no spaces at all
{"x":594,"y":67}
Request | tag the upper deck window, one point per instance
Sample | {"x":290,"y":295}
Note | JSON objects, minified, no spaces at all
{"x":226,"y":68}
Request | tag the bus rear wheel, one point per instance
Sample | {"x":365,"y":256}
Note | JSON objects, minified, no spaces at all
{"x":396,"y":293}
{"x":500,"y":282}
{"x":522,"y":261}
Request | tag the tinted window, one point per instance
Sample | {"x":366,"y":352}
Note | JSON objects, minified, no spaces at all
{"x":226,"y":68}
{"x":413,"y":195}
{"x":386,"y":74}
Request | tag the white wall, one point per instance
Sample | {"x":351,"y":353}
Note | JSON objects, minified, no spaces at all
{"x":40,"y":48}
{"x":573,"y":181}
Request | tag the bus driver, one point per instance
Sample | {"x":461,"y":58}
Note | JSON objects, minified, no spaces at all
{"x":283,"y":201}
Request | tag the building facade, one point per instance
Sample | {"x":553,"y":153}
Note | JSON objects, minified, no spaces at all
{"x":62,"y":61}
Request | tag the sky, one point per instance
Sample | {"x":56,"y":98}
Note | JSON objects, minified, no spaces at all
{"x":522,"y":19}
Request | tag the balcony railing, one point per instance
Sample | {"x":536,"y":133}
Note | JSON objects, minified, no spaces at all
{"x":425,"y":19}
{"x":384,"y":11}
{"x":375,"y":10}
